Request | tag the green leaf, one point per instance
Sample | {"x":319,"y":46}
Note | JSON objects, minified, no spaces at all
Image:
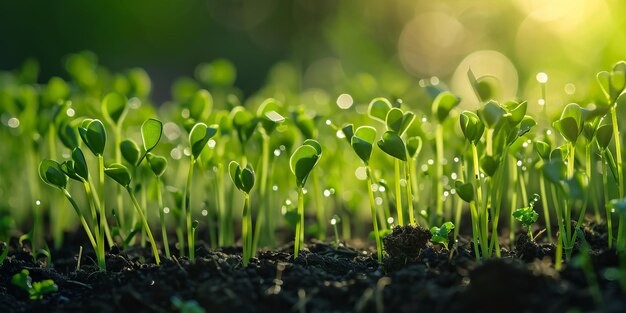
{"x":43,"y":287}
{"x":568,"y":128}
{"x":348,"y":132}
{"x":554,"y":170}
{"x":51,"y":173}
{"x":488,"y":165}
{"x":158,"y":164}
{"x":378,"y":109}
{"x":543,"y":149}
{"x":443,"y":104}
{"x":67,"y":134}
{"x":302,"y":161}
{"x":471,"y":126}
{"x":516,"y":110}
{"x":118,"y":173}
{"x":394,"y":120}
{"x":67,"y":168}
{"x":413,"y":146}
{"x":604,"y":80}
{"x":244,"y":122}
{"x":269,"y":116}
{"x":483,"y":89}
{"x":114,"y":107}
{"x":199,"y":136}
{"x":464,"y":190}
{"x":151,"y":131}
{"x":527,"y":216}
{"x":234,"y":169}
{"x":440,"y":234}
{"x":604,"y":133}
{"x":392,"y":144}
{"x":247,"y":179}
{"x":93,"y":134}
{"x":130,"y":151}
{"x":80,"y":164}
{"x":362,"y":142}
{"x":200,"y":105}
{"x":491,"y":114}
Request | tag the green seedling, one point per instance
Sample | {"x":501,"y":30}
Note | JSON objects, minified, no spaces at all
{"x":333,"y":222}
{"x":198,"y":138}
{"x":35,"y":290}
{"x":440,"y":234}
{"x":120,"y":174}
{"x":301,"y":163}
{"x":528,"y":216}
{"x":244,"y":178}
{"x":362,"y":143}
{"x":603,"y":135}
{"x":158,"y":165}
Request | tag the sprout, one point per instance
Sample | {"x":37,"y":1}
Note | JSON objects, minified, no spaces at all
{"x":36,"y":290}
{"x":244,"y":178}
{"x":527,"y":215}
{"x":440,"y":234}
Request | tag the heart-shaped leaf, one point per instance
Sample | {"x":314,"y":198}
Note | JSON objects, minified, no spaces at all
{"x":244,"y":122}
{"x":491,"y":114}
{"x":348,"y":132}
{"x":247,"y":179}
{"x":482,"y":86}
{"x":269,"y":116}
{"x":199,"y":136}
{"x":51,"y":173}
{"x":93,"y":134}
{"x":199,"y":105}
{"x":394,"y":120}
{"x":471,"y":126}
{"x":151,"y":131}
{"x":464,"y":190}
{"x":68,"y":169}
{"x":362,"y":142}
{"x":392,"y":144}
{"x":413,"y":146}
{"x":80,"y":164}
{"x":130,"y":151}
{"x":443,"y":104}
{"x":604,"y":133}
{"x":234,"y":170}
{"x":543,"y":149}
{"x":488,"y":165}
{"x":517,"y":111}
{"x":378,"y":109}
{"x":118,"y":173}
{"x":302,"y":161}
{"x":67,"y":134}
{"x":604,"y":80}
{"x":158,"y":164}
{"x":114,"y":107}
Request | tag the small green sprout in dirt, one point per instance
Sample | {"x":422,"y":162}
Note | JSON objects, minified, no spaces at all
{"x":440,"y":234}
{"x":198,"y":138}
{"x":301,"y":163}
{"x":188,"y":306}
{"x":36,"y":290}
{"x":120,"y":174}
{"x":528,"y":216}
{"x":362,"y":141}
{"x":244,"y":178}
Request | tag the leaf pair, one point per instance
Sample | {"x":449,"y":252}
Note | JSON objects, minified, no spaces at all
{"x":362,"y":142}
{"x":304,"y":159}
{"x":269,"y":116}
{"x":472,"y":127}
{"x":394,"y":118}
{"x":570,"y":124}
{"x":244,"y":122}
{"x":613,"y":83}
{"x":443,"y":104}
{"x":151,"y":132}
{"x":199,"y":136}
{"x":93,"y":134}
{"x":440,"y":234}
{"x":76,"y":168}
{"x":243,"y":178}
{"x":119,"y":173}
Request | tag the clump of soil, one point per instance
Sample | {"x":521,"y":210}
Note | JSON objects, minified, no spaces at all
{"x":405,"y":245}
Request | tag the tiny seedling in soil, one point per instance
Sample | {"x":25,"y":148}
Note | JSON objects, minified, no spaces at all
{"x":36,"y":290}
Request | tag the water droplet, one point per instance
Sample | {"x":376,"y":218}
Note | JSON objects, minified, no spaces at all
{"x":390,"y":220}
{"x":166,"y":210}
{"x":275,"y":188}
{"x":70,"y":112}
{"x":326,"y":193}
{"x":276,"y":152}
{"x":205,"y":212}
{"x":185,"y":113}
{"x":212,"y":143}
{"x":541,"y":101}
{"x":431,"y":161}
{"x":340,"y":134}
{"x":14,"y":122}
{"x":38,"y":202}
{"x":379,"y":201}
{"x":361,"y":173}
{"x":345,"y":101}
{"x":542,"y":77}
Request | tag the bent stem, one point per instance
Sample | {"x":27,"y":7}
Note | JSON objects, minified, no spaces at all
{"x":379,"y":246}
{"x":166,"y":245}
{"x":145,"y":225}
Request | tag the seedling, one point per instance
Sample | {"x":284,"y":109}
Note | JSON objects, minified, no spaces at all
{"x":35,"y":290}
{"x":301,"y":163}
{"x":158,"y":165}
{"x":198,"y":138}
{"x":527,"y":215}
{"x":333,"y":222}
{"x":440,"y":234}
{"x":244,"y":178}
{"x":120,"y":174}
{"x":362,"y":143}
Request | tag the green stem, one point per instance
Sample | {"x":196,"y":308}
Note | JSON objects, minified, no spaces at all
{"x":515,"y":176}
{"x":300,"y":224}
{"x":621,"y":241}
{"x":409,"y":192}
{"x":379,"y":246}
{"x":607,"y":200}
{"x":118,"y":158}
{"x":187,"y":210}
{"x":319,"y":207}
{"x":263,"y":216}
{"x":544,"y":203}
{"x":436,"y":218}
{"x":246,"y":230}
{"x":102,"y":211}
{"x":398,"y":192}
{"x":82,"y":220}
{"x":145,"y":224}
{"x":591,"y":186}
{"x":166,"y":245}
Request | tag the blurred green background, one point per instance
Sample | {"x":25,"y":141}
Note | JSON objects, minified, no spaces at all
{"x":396,"y":41}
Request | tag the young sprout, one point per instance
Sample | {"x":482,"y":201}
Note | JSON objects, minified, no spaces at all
{"x":36,"y":290}
{"x":301,"y":163}
{"x":114,"y":109}
{"x":440,"y":234}
{"x":362,"y":143}
{"x":120,"y":174}
{"x":543,"y":150}
{"x":527,"y":216}
{"x":158,"y":165}
{"x":244,"y":178}
{"x":603,"y":135}
{"x":198,"y":138}
{"x":441,"y":107}
{"x":52,"y":174}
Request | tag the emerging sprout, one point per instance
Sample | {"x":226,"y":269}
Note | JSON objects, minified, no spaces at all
{"x":244,"y":178}
{"x":440,"y":234}
{"x":36,"y":290}
{"x":527,"y":216}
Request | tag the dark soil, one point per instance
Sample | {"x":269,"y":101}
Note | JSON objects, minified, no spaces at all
{"x":416,"y":277}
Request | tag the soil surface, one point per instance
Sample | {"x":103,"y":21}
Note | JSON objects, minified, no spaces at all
{"x":416,"y":276}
